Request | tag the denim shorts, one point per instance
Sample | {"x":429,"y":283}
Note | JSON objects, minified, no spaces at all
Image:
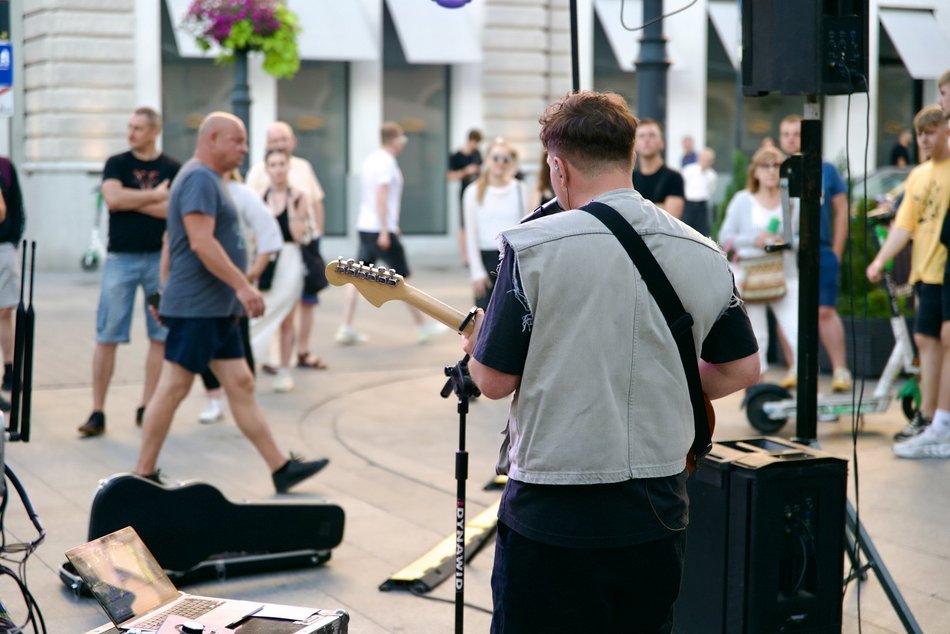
{"x":193,"y":342}
{"x":122,"y":275}
{"x":828,"y":266}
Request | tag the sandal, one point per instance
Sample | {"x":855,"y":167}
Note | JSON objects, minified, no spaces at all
{"x":304,"y":360}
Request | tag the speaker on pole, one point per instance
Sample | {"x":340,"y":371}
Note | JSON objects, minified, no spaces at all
{"x":805,"y":47}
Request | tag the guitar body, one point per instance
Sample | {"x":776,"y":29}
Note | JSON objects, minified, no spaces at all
{"x":192,"y":523}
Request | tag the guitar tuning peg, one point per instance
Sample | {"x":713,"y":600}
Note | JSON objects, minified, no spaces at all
{"x":392,"y":272}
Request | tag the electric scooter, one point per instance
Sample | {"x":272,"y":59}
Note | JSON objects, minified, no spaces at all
{"x":769,"y":406}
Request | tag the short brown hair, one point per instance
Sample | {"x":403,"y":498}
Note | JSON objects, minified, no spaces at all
{"x":154,"y":119}
{"x":475,"y":135}
{"x":762,"y":156}
{"x":390,"y":132}
{"x":656,"y":124}
{"x":791,"y":118}
{"x":928,"y":117}
{"x":590,"y":129}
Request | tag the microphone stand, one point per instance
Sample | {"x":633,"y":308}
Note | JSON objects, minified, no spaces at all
{"x":460,"y":382}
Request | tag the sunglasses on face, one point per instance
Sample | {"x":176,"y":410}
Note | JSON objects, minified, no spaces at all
{"x":500,"y":158}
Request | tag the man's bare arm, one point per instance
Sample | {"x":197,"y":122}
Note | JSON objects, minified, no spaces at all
{"x":839,"y":230}
{"x":153,"y":202}
{"x":722,"y":379}
{"x":200,"y":230}
{"x":673,"y":205}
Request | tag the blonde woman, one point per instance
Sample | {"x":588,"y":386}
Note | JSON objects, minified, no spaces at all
{"x":493,"y":203}
{"x":754,"y":220}
{"x":289,"y":206}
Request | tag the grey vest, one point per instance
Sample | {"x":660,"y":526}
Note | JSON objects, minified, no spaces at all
{"x":603,"y":396}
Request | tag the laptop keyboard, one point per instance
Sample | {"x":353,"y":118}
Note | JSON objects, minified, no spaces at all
{"x":190,"y":608}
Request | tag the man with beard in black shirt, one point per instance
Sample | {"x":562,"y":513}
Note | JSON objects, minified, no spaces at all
{"x":135,"y":188}
{"x":651,"y":177}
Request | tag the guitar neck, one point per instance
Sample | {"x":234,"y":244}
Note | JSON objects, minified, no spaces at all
{"x":379,"y":285}
{"x":437,"y":310}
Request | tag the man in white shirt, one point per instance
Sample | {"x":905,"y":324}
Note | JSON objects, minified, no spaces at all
{"x":381,"y":185}
{"x":302,"y":177}
{"x":699,"y":185}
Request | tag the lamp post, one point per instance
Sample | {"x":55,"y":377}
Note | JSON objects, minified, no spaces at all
{"x":241,"y":97}
{"x":652,"y":65}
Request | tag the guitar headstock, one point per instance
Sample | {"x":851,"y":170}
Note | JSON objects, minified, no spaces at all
{"x":377,"y":284}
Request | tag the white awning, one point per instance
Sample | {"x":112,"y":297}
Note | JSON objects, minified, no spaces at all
{"x":187,"y":47}
{"x":431,"y":34}
{"x":335,"y":30}
{"x":626,"y":44}
{"x":922,"y":45}
{"x":725,"y":19}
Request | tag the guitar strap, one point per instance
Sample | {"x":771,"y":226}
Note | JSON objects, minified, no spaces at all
{"x":679,"y":321}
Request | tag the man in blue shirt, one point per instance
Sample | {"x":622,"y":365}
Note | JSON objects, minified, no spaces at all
{"x":833,"y":237}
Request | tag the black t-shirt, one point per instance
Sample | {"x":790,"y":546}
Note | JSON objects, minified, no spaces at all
{"x":899,"y":152}
{"x":598,"y":515}
{"x":657,"y":186}
{"x":133,"y":231}
{"x":460,"y":160}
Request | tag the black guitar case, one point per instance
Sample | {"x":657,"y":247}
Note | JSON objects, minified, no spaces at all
{"x":195,"y":533}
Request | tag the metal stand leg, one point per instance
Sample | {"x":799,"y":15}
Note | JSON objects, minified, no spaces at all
{"x":859,"y":541}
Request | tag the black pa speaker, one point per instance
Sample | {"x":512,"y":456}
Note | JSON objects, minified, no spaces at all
{"x":804,"y":47}
{"x":765,"y":544}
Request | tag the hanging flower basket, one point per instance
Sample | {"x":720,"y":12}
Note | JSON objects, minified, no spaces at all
{"x":247,"y":25}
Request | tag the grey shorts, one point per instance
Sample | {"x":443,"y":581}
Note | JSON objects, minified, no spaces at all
{"x":9,"y":275}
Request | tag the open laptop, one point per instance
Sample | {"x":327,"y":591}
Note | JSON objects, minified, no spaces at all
{"x":135,"y":592}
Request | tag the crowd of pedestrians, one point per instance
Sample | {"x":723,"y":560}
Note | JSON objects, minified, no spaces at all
{"x":236,"y":267}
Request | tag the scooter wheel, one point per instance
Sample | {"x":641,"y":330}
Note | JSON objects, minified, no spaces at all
{"x":89,"y":261}
{"x":909,"y":406}
{"x":757,"y":416}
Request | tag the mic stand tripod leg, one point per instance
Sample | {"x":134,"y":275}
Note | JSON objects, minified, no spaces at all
{"x":460,"y":382}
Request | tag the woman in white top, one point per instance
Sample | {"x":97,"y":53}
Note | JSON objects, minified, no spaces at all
{"x":493,"y":203}
{"x":746,"y":230}
{"x":289,"y":206}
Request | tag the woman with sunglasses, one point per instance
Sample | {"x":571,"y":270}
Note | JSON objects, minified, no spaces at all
{"x":754,"y":220}
{"x":493,"y":203}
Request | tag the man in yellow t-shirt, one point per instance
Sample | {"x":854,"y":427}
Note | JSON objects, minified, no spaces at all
{"x":921,"y":217}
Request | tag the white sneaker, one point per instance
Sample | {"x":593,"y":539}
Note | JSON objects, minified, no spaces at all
{"x":283,"y":382}
{"x":930,"y":443}
{"x":212,"y":411}
{"x":431,"y":330}
{"x":346,"y":336}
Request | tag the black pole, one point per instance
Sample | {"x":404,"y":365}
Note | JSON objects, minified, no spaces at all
{"x":460,"y":383}
{"x":808,"y":258}
{"x":652,"y":66}
{"x":575,"y":58}
{"x":241,"y":97}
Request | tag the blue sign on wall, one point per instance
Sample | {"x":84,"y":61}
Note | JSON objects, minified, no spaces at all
{"x":6,"y":79}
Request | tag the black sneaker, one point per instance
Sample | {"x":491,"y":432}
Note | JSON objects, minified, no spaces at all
{"x":139,"y":416}
{"x":7,"y":377}
{"x":155,"y":477}
{"x":917,"y":425}
{"x":95,"y":426}
{"x":296,"y":471}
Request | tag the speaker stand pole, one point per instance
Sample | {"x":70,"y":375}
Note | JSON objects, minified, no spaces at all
{"x":859,"y":541}
{"x":460,"y":382}
{"x":809,"y":218}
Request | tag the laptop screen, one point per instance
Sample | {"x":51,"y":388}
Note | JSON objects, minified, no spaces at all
{"x":122,"y":574}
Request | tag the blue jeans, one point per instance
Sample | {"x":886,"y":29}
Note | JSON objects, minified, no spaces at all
{"x":122,"y":274}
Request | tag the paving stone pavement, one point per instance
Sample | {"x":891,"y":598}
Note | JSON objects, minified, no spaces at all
{"x":377,"y":414}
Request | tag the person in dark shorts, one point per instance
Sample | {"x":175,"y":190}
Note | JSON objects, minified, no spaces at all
{"x":378,"y":226}
{"x":206,"y":293}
